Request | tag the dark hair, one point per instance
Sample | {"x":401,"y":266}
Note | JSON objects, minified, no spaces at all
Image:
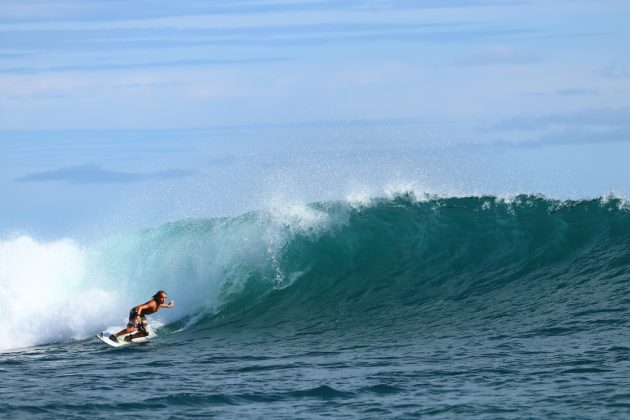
{"x":155,"y":296}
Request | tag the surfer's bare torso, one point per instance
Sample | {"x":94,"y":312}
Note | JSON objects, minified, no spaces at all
{"x":151,"y":306}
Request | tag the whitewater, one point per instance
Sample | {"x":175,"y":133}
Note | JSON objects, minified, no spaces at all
{"x":402,"y":305}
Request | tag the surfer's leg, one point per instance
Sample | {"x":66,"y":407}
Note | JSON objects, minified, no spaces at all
{"x":127,"y":330}
{"x":142,"y":330}
{"x":134,"y":322}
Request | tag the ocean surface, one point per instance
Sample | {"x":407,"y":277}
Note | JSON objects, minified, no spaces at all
{"x":402,"y":306}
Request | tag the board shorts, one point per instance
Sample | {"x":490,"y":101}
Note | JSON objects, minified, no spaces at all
{"x":139,"y":324}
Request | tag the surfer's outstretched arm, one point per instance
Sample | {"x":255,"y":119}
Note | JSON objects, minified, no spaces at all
{"x":170,"y":304}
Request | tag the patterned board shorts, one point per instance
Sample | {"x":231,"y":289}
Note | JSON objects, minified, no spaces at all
{"x":139,"y":324}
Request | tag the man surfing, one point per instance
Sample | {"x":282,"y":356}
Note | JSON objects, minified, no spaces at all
{"x":137,"y":317}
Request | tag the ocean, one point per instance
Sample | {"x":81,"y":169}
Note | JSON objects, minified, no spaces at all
{"x":402,"y":306}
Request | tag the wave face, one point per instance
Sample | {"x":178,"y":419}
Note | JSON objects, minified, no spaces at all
{"x":382,"y":266}
{"x":528,"y":264}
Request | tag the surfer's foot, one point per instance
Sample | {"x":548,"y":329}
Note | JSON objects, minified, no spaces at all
{"x":128,"y":338}
{"x":113,"y":338}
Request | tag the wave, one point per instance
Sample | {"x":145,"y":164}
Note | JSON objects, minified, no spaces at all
{"x":540,"y":265}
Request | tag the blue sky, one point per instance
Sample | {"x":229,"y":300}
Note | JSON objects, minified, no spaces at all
{"x":130,"y":113}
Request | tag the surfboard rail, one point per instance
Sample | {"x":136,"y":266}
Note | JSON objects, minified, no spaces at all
{"x":121,"y":342}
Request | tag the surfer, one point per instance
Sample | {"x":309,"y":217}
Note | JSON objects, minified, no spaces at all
{"x":137,"y":317}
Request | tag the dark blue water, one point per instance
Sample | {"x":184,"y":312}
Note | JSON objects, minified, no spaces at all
{"x":449,"y":308}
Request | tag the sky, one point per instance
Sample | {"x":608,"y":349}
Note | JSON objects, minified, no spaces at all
{"x":117,"y":115}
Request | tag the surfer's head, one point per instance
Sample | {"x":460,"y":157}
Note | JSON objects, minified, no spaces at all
{"x":160,"y":297}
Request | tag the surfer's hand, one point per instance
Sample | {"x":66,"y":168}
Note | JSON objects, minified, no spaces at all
{"x":171,"y":304}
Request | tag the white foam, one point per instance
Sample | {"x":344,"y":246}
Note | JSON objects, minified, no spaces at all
{"x":60,"y":291}
{"x":399,"y":188}
{"x":360,"y":199}
{"x":299,"y":217}
{"x":292,"y":217}
{"x":623,"y":204}
{"x":44,"y":296}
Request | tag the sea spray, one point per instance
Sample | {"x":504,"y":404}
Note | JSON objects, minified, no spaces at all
{"x":45,"y":295}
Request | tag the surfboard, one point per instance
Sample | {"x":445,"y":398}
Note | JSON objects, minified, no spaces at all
{"x":121,"y":342}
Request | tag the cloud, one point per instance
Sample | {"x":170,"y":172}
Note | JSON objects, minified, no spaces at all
{"x":587,"y":126}
{"x":585,"y":136}
{"x":104,"y":10}
{"x":614,"y":71}
{"x":577,"y":92}
{"x":498,"y":54}
{"x":576,"y":136}
{"x":567,"y":137}
{"x":598,"y":117}
{"x":140,"y":65}
{"x":573,"y":91}
{"x":94,"y":174}
{"x":56,"y":51}
{"x":257,"y":33}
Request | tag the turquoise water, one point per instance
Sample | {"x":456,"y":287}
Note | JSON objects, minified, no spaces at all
{"x":400,"y":306}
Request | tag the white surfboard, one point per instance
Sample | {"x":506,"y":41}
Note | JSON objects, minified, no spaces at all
{"x":121,"y":341}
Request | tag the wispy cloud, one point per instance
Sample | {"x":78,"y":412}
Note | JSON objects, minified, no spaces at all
{"x":584,"y":136}
{"x":100,"y":10}
{"x":258,"y":32}
{"x":577,"y":92}
{"x":566,"y":138}
{"x":572,"y":91}
{"x":600,"y":117}
{"x":587,"y":126}
{"x":614,"y":71}
{"x":73,"y":49}
{"x":141,"y":65}
{"x":95,"y":174}
{"x":498,"y":54}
